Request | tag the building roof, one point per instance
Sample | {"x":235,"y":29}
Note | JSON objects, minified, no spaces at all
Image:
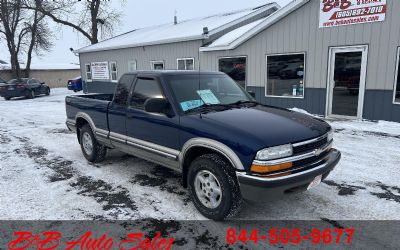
{"x":187,"y":30}
{"x":240,"y":35}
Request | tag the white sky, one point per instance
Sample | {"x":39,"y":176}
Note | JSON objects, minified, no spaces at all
{"x":138,"y":14}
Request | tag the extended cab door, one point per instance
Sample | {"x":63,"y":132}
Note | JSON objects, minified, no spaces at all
{"x":155,"y":134}
{"x":117,"y":110}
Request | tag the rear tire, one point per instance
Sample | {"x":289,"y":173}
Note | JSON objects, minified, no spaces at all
{"x":47,"y":91}
{"x":91,"y":149}
{"x":213,"y":187}
{"x":7,"y":98}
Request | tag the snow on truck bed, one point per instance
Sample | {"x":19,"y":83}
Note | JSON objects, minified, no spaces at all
{"x":45,"y":176}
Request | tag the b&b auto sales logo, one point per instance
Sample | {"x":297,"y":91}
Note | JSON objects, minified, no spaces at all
{"x":52,"y":241}
{"x":346,"y":12}
{"x":330,"y":4}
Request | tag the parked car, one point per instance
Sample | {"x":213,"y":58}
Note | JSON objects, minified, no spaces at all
{"x":75,"y":84}
{"x":227,"y":146}
{"x":27,"y":87}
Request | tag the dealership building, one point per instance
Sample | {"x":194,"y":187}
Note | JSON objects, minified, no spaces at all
{"x":333,"y":58}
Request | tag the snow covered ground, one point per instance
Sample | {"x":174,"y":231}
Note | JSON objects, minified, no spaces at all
{"x":43,"y":175}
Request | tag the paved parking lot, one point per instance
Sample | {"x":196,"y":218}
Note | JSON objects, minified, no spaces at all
{"x":44,"y":175}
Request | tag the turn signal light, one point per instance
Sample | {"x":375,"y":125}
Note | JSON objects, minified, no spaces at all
{"x":268,"y":169}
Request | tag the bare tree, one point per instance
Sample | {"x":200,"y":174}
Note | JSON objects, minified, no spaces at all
{"x":93,"y":19}
{"x":25,"y":32}
{"x":11,"y":17}
{"x":40,"y":36}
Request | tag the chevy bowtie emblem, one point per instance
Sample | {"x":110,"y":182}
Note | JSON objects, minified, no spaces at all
{"x":317,"y":152}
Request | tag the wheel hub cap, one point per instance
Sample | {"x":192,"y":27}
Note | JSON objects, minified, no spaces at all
{"x":87,"y":143}
{"x":208,"y":189}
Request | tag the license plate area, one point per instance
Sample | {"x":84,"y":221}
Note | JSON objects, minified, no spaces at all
{"x":317,"y":180}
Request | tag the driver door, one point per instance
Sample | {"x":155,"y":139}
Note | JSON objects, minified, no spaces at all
{"x":155,"y":135}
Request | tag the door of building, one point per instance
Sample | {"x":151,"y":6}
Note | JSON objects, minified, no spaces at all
{"x":346,"y":81}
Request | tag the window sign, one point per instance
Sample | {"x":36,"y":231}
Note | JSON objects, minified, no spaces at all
{"x":100,"y":71}
{"x":208,"y":96}
{"x":335,"y":13}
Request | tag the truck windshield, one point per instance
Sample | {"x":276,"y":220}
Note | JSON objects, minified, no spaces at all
{"x":206,"y":90}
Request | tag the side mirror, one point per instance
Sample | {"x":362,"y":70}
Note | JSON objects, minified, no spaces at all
{"x":252,"y":94}
{"x":156,"y":105}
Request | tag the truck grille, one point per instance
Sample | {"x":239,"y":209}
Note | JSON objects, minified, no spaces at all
{"x":301,"y":149}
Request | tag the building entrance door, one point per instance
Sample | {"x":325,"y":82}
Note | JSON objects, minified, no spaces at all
{"x":346,"y":81}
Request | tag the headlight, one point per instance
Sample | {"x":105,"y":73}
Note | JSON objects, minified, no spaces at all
{"x":275,"y":152}
{"x":330,"y":136}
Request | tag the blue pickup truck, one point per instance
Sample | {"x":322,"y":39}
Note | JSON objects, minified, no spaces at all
{"x":227,"y":146}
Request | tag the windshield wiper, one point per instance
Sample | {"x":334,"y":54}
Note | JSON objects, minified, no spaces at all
{"x":244,"y":102}
{"x":209,"y":107}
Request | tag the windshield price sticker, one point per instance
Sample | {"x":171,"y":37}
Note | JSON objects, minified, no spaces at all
{"x":208,"y":96}
{"x":291,"y":236}
{"x":191,"y":104}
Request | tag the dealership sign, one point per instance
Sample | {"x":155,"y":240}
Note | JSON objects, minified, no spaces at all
{"x":100,"y":71}
{"x":346,"y":12}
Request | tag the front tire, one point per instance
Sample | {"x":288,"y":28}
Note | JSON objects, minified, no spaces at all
{"x":213,"y":187}
{"x":31,"y":94}
{"x":91,"y":149}
{"x":7,"y":98}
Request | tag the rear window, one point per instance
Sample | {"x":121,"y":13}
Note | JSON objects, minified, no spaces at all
{"x":15,"y":81}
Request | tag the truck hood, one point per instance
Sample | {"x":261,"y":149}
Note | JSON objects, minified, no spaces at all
{"x":260,"y":126}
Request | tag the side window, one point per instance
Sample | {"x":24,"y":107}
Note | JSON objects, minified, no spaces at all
{"x":157,"y":65}
{"x":132,"y":66}
{"x":114,"y":73}
{"x":145,"y":88}
{"x":123,"y":88}
{"x":185,"y":63}
{"x":88,"y":70}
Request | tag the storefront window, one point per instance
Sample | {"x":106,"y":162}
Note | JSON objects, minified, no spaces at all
{"x":397,"y":83}
{"x":285,"y":75}
{"x":235,"y":67}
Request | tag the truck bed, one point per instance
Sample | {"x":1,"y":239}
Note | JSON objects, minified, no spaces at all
{"x":95,"y":105}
